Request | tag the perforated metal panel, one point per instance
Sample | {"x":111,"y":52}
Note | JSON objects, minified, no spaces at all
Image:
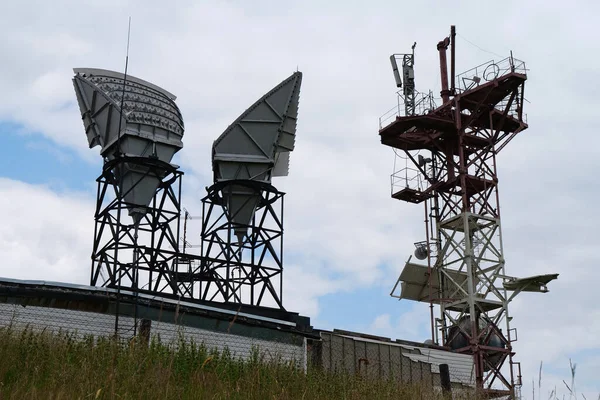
{"x":130,"y":117}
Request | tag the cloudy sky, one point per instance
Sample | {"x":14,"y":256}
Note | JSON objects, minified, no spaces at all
{"x":346,"y":239}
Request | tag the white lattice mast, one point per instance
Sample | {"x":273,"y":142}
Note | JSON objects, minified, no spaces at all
{"x":453,"y":149}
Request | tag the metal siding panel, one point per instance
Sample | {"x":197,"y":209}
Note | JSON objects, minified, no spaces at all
{"x":361,"y":353}
{"x":436,"y":380}
{"x":326,"y":357}
{"x":396,"y":363}
{"x":384,"y":358}
{"x":337,"y":353}
{"x":406,"y":370}
{"x":403,"y":363}
{"x":238,"y":346}
{"x":82,"y":323}
{"x":415,"y":371}
{"x":426,"y":375}
{"x":372,"y":355}
{"x":349,"y":359}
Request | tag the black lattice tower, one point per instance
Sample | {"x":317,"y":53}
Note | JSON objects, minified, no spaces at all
{"x":247,"y":271}
{"x":452,"y":151}
{"x":242,"y":224}
{"x":139,"y":253}
{"x":139,"y":128}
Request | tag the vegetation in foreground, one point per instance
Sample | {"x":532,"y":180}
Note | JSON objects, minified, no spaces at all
{"x":44,"y":366}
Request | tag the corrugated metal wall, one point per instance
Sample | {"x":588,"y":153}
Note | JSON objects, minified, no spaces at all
{"x":389,"y":360}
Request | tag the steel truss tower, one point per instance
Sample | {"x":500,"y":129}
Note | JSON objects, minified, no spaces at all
{"x":233,"y":269}
{"x":452,"y":150}
{"x":138,"y":253}
{"x":242,"y":224}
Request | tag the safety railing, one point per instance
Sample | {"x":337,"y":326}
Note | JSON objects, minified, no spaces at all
{"x":513,"y":110}
{"x":407,"y":178}
{"x":424,"y":104}
{"x":487,"y":72}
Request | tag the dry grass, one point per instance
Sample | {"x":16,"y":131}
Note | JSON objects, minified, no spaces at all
{"x":571,"y":393}
{"x":43,"y":366}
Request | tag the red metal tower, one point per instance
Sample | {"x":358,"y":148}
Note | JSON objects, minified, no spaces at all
{"x":452,"y":149}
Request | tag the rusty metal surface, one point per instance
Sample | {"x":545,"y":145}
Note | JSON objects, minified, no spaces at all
{"x":383,"y":358}
{"x":458,"y":186}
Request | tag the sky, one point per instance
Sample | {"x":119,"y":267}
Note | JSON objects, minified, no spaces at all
{"x":346,"y":239}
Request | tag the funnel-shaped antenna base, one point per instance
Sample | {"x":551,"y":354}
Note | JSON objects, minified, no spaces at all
{"x":137,"y":187}
{"x":241,"y":202}
{"x":137,"y":179}
{"x":242,"y":232}
{"x":241,"y":235}
{"x":137,"y":215}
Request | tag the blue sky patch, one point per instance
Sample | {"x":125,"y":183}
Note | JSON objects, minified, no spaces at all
{"x":34,"y":159}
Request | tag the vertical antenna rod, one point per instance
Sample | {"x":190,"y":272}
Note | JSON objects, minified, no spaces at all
{"x":124,"y":84}
{"x":118,"y":154}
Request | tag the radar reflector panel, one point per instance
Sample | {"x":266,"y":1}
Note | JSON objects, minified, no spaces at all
{"x":130,"y":117}
{"x":256,"y":147}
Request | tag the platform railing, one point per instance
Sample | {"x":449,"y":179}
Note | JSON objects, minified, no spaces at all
{"x":407,"y":178}
{"x":487,"y":72}
{"x":424,"y":104}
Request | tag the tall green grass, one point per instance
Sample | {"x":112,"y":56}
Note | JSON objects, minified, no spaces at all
{"x":57,"y":366}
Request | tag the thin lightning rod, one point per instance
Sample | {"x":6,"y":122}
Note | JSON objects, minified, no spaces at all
{"x":124,"y":84}
{"x":118,"y":154}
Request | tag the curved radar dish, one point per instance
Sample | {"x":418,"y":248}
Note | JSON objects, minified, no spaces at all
{"x":256,"y":147}
{"x":131,"y":118}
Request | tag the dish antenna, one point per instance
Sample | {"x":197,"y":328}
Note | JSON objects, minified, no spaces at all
{"x":422,"y":250}
{"x":139,"y":128}
{"x":127,"y":116}
{"x":243,"y":204}
{"x":256,"y":147}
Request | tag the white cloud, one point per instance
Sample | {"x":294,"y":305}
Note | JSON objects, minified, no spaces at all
{"x":382,"y":323}
{"x":341,"y":225}
{"x":45,"y":235}
{"x":412,"y":324}
{"x":302,"y":289}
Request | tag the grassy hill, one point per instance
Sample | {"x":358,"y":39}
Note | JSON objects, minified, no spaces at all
{"x":44,"y":366}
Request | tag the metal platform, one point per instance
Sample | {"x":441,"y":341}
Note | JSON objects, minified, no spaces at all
{"x":420,"y":132}
{"x":411,"y":195}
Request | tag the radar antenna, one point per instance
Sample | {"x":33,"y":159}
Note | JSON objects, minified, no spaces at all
{"x":253,"y":150}
{"x":139,"y":128}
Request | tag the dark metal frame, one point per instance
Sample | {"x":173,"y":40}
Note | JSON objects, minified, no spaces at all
{"x":233,"y":272}
{"x":153,"y":257}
